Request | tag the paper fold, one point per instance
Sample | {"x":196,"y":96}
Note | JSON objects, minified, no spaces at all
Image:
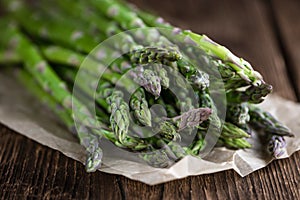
{"x":22,"y":113}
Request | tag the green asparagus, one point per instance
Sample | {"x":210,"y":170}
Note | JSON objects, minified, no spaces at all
{"x":139,"y":105}
{"x":264,"y":120}
{"x":242,"y":68}
{"x":51,"y":83}
{"x":52,"y":42}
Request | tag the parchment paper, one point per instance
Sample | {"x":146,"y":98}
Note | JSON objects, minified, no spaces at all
{"x":22,"y":113}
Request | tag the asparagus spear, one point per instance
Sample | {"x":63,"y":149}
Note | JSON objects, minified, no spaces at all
{"x":231,"y":131}
{"x":148,"y":79}
{"x":119,"y":118}
{"x":156,"y":158}
{"x":48,"y":100}
{"x":76,"y":8}
{"x":273,"y":129}
{"x":106,"y":25}
{"x":214,"y":120}
{"x":171,"y":111}
{"x":61,"y":55}
{"x":139,"y":105}
{"x":213,"y":49}
{"x":197,"y":145}
{"x":131,"y":143}
{"x":235,"y":143}
{"x":264,"y":120}
{"x":51,"y":83}
{"x":276,"y":145}
{"x":191,"y":118}
{"x":68,"y":35}
{"x":241,"y":68}
{"x":233,"y":135}
{"x":238,"y":114}
{"x":129,"y":43}
{"x":199,"y":142}
{"x":165,"y":129}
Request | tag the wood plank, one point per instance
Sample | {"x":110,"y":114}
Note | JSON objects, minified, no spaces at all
{"x":30,"y":170}
{"x":136,"y":190}
{"x":212,"y":186}
{"x":288,"y":30}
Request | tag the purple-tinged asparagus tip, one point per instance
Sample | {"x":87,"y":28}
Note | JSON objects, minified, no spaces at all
{"x":277,"y":146}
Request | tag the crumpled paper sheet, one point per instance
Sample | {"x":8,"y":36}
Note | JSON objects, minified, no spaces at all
{"x":24,"y":114}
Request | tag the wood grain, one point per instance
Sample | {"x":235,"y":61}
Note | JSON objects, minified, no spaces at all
{"x":287,"y":23}
{"x":30,"y":170}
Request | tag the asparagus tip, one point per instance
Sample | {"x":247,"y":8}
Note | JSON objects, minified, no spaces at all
{"x":94,"y":160}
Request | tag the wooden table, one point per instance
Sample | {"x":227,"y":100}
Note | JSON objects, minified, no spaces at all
{"x":265,"y":32}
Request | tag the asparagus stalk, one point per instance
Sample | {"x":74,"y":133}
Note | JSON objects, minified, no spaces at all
{"x":162,"y":76}
{"x":191,"y":118}
{"x":51,"y":83}
{"x":28,"y":81}
{"x":119,"y":118}
{"x":235,"y":143}
{"x":68,"y":35}
{"x":63,"y":34}
{"x":148,"y":79}
{"x":165,"y":129}
{"x":231,"y":131}
{"x":197,"y":145}
{"x":241,"y":68}
{"x":273,"y":129}
{"x":156,"y":158}
{"x":76,"y":8}
{"x":64,"y":56}
{"x":276,"y":145}
{"x":214,"y":120}
{"x":131,"y":143}
{"x":213,"y":49}
{"x":264,"y":120}
{"x":194,"y":76}
{"x":120,"y":122}
{"x":238,"y":114}
{"x":139,"y":105}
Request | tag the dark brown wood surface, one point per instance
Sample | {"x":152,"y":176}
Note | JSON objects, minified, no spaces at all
{"x":265,"y":32}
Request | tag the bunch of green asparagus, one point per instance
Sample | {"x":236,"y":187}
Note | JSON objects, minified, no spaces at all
{"x":51,"y":40}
